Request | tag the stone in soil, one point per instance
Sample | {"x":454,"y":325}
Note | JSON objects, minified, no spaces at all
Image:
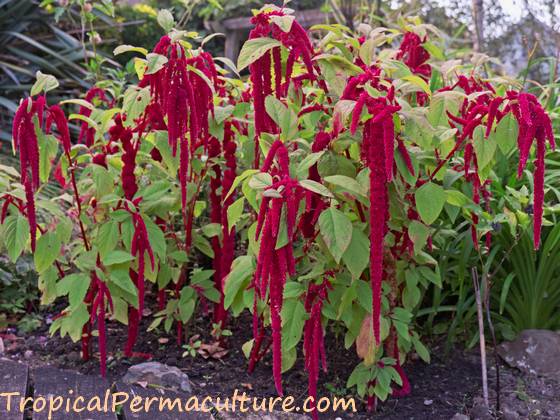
{"x":158,"y":374}
{"x":534,"y":351}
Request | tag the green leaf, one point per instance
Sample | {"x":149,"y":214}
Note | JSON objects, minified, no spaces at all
{"x":16,"y":235}
{"x":165,"y":20}
{"x":239,"y":179}
{"x":107,"y":238}
{"x":283,"y":116}
{"x":506,"y":133}
{"x":411,"y":296}
{"x":127,"y":48}
{"x":235,"y":211}
{"x":316,"y":187}
{"x":347,"y":183}
{"x":121,"y":278}
{"x":293,"y":319}
{"x":293,"y":289}
{"x":156,"y":238}
{"x":484,"y":148}
{"x":203,"y":245}
{"x":336,"y":230}
{"x":241,"y":269}
{"x":254,"y":49}
{"x":419,"y":82}
{"x":44,"y":83}
{"x":260,"y":181}
{"x":308,"y":162}
{"x":457,"y":198}
{"x":48,"y":149}
{"x":155,"y":63}
{"x":135,"y":102}
{"x":283,"y":22}
{"x":289,"y":358}
{"x":418,"y":234}
{"x":430,"y":199}
{"x":75,"y":286}
{"x":74,"y":321}
{"x":505,"y":291}
{"x":117,"y":257}
{"x":46,"y":251}
{"x":356,"y":256}
{"x":420,"y":349}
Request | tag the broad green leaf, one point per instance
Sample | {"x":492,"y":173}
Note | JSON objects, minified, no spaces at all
{"x":203,"y":245}
{"x":419,"y":82}
{"x":117,"y":257}
{"x":235,"y":211}
{"x":283,"y":116}
{"x":127,"y":48}
{"x":410,"y":297}
{"x":16,"y":235}
{"x":165,"y":20}
{"x":46,"y":251}
{"x":293,"y":319}
{"x":239,"y":179}
{"x":241,"y":269}
{"x":316,"y":187}
{"x":260,"y":181}
{"x":74,"y":321}
{"x":347,"y":183}
{"x":75,"y":286}
{"x":336,"y":230}
{"x":48,"y":149}
{"x":484,"y":148}
{"x":356,"y":256}
{"x":156,"y":237}
{"x":307,"y":162}
{"x":506,"y":133}
{"x":155,"y":63}
{"x":107,"y":238}
{"x":121,"y":278}
{"x":289,"y":358}
{"x":135,"y":102}
{"x":421,"y":350}
{"x":254,"y":49}
{"x":283,"y":22}
{"x":44,"y":83}
{"x":418,"y":234}
{"x":430,"y":199}
{"x":457,"y":198}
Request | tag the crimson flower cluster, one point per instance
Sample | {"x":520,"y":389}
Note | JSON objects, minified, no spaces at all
{"x":276,"y":261}
{"x":25,"y":140}
{"x":378,"y":143}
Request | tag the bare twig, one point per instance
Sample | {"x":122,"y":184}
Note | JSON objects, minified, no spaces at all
{"x":486,"y":287}
{"x":481,"y":335}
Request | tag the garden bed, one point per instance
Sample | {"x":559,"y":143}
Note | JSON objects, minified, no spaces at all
{"x":435,"y":392}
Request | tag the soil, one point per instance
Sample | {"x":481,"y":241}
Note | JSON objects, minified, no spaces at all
{"x":441,"y":389}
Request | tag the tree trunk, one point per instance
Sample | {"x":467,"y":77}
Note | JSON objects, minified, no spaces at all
{"x":478,"y":19}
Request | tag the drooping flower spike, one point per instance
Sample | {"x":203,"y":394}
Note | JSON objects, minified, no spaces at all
{"x":25,"y":141}
{"x":415,"y":56}
{"x":535,"y":126}
{"x":279,"y":206}
{"x":313,"y":336}
{"x":377,"y":149}
{"x":298,"y":44}
{"x":87,"y":133}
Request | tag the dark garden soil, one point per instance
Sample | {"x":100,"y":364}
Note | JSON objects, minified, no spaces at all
{"x":439,"y":390}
